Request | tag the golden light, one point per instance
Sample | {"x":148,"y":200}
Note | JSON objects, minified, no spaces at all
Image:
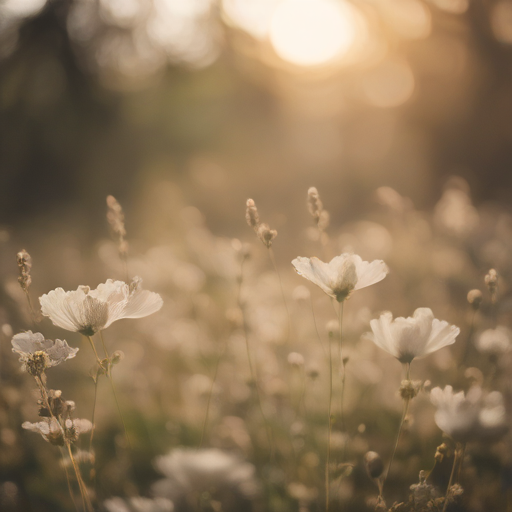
{"x":313,"y":32}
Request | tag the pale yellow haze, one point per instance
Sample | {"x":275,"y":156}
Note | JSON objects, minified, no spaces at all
{"x":312,"y":32}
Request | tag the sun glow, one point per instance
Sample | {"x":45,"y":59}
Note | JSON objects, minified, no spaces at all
{"x":313,"y":32}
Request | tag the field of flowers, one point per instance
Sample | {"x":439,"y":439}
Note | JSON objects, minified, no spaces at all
{"x":189,"y":371}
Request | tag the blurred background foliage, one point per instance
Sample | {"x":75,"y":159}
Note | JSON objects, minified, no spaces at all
{"x":239,"y":98}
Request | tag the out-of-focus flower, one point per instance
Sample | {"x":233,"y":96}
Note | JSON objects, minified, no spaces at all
{"x":222,"y":475}
{"x":37,"y":353}
{"x":454,"y":211}
{"x":407,"y":338}
{"x":494,"y":341}
{"x":470,"y":417}
{"x":53,"y":432}
{"x":342,"y":275}
{"x":88,"y":311}
{"x":138,"y":504}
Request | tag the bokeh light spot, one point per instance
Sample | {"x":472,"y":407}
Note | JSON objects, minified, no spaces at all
{"x":312,"y":32}
{"x":389,"y":85}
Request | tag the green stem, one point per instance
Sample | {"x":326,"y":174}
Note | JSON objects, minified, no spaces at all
{"x":98,"y":360}
{"x":343,"y":368}
{"x":402,"y":421}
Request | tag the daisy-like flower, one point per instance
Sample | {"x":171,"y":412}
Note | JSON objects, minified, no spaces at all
{"x":470,"y":417}
{"x":342,"y":275}
{"x":88,"y":311}
{"x":494,"y":341}
{"x":37,"y":353}
{"x":407,"y":338}
{"x":189,"y":473}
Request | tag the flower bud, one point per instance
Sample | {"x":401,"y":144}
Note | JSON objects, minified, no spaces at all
{"x":373,"y":464}
{"x":475,"y":298}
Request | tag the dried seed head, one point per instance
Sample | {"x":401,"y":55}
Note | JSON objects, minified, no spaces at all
{"x":117,"y":357}
{"x":115,"y":217}
{"x":24,"y":265}
{"x":251,"y":214}
{"x":315,"y":205}
{"x":316,"y":209}
{"x":442,"y":451}
{"x":491,"y":280}
{"x":475,"y":298}
{"x":36,"y":363}
{"x":373,"y":464}
{"x":266,"y":235}
{"x":409,"y":389}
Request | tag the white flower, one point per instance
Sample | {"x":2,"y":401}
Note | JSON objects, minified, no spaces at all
{"x":407,"y":338}
{"x":189,"y":472}
{"x":37,"y":353}
{"x":138,"y":504}
{"x":494,"y":341}
{"x":470,"y":417}
{"x":88,"y":311}
{"x":342,"y":275}
{"x":53,"y":432}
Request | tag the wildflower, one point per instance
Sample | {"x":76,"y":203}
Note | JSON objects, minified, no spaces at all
{"x":49,"y":428}
{"x":342,"y":275}
{"x":407,"y":338}
{"x":56,"y":433}
{"x":37,"y":353}
{"x":88,"y":311}
{"x":138,"y":504}
{"x":469,"y":417}
{"x":494,"y":341}
{"x":220,"y":474}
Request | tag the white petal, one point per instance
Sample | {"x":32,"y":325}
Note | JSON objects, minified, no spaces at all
{"x":142,"y":303}
{"x":315,"y":271}
{"x":61,"y":308}
{"x":442,"y":334}
{"x":369,"y":273}
{"x":383,"y":337}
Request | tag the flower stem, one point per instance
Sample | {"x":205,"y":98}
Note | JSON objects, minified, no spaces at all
{"x":328,"y":458}
{"x":402,"y":421}
{"x":111,"y":380}
{"x":343,"y":369}
{"x":98,"y":360}
{"x":455,"y":460}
